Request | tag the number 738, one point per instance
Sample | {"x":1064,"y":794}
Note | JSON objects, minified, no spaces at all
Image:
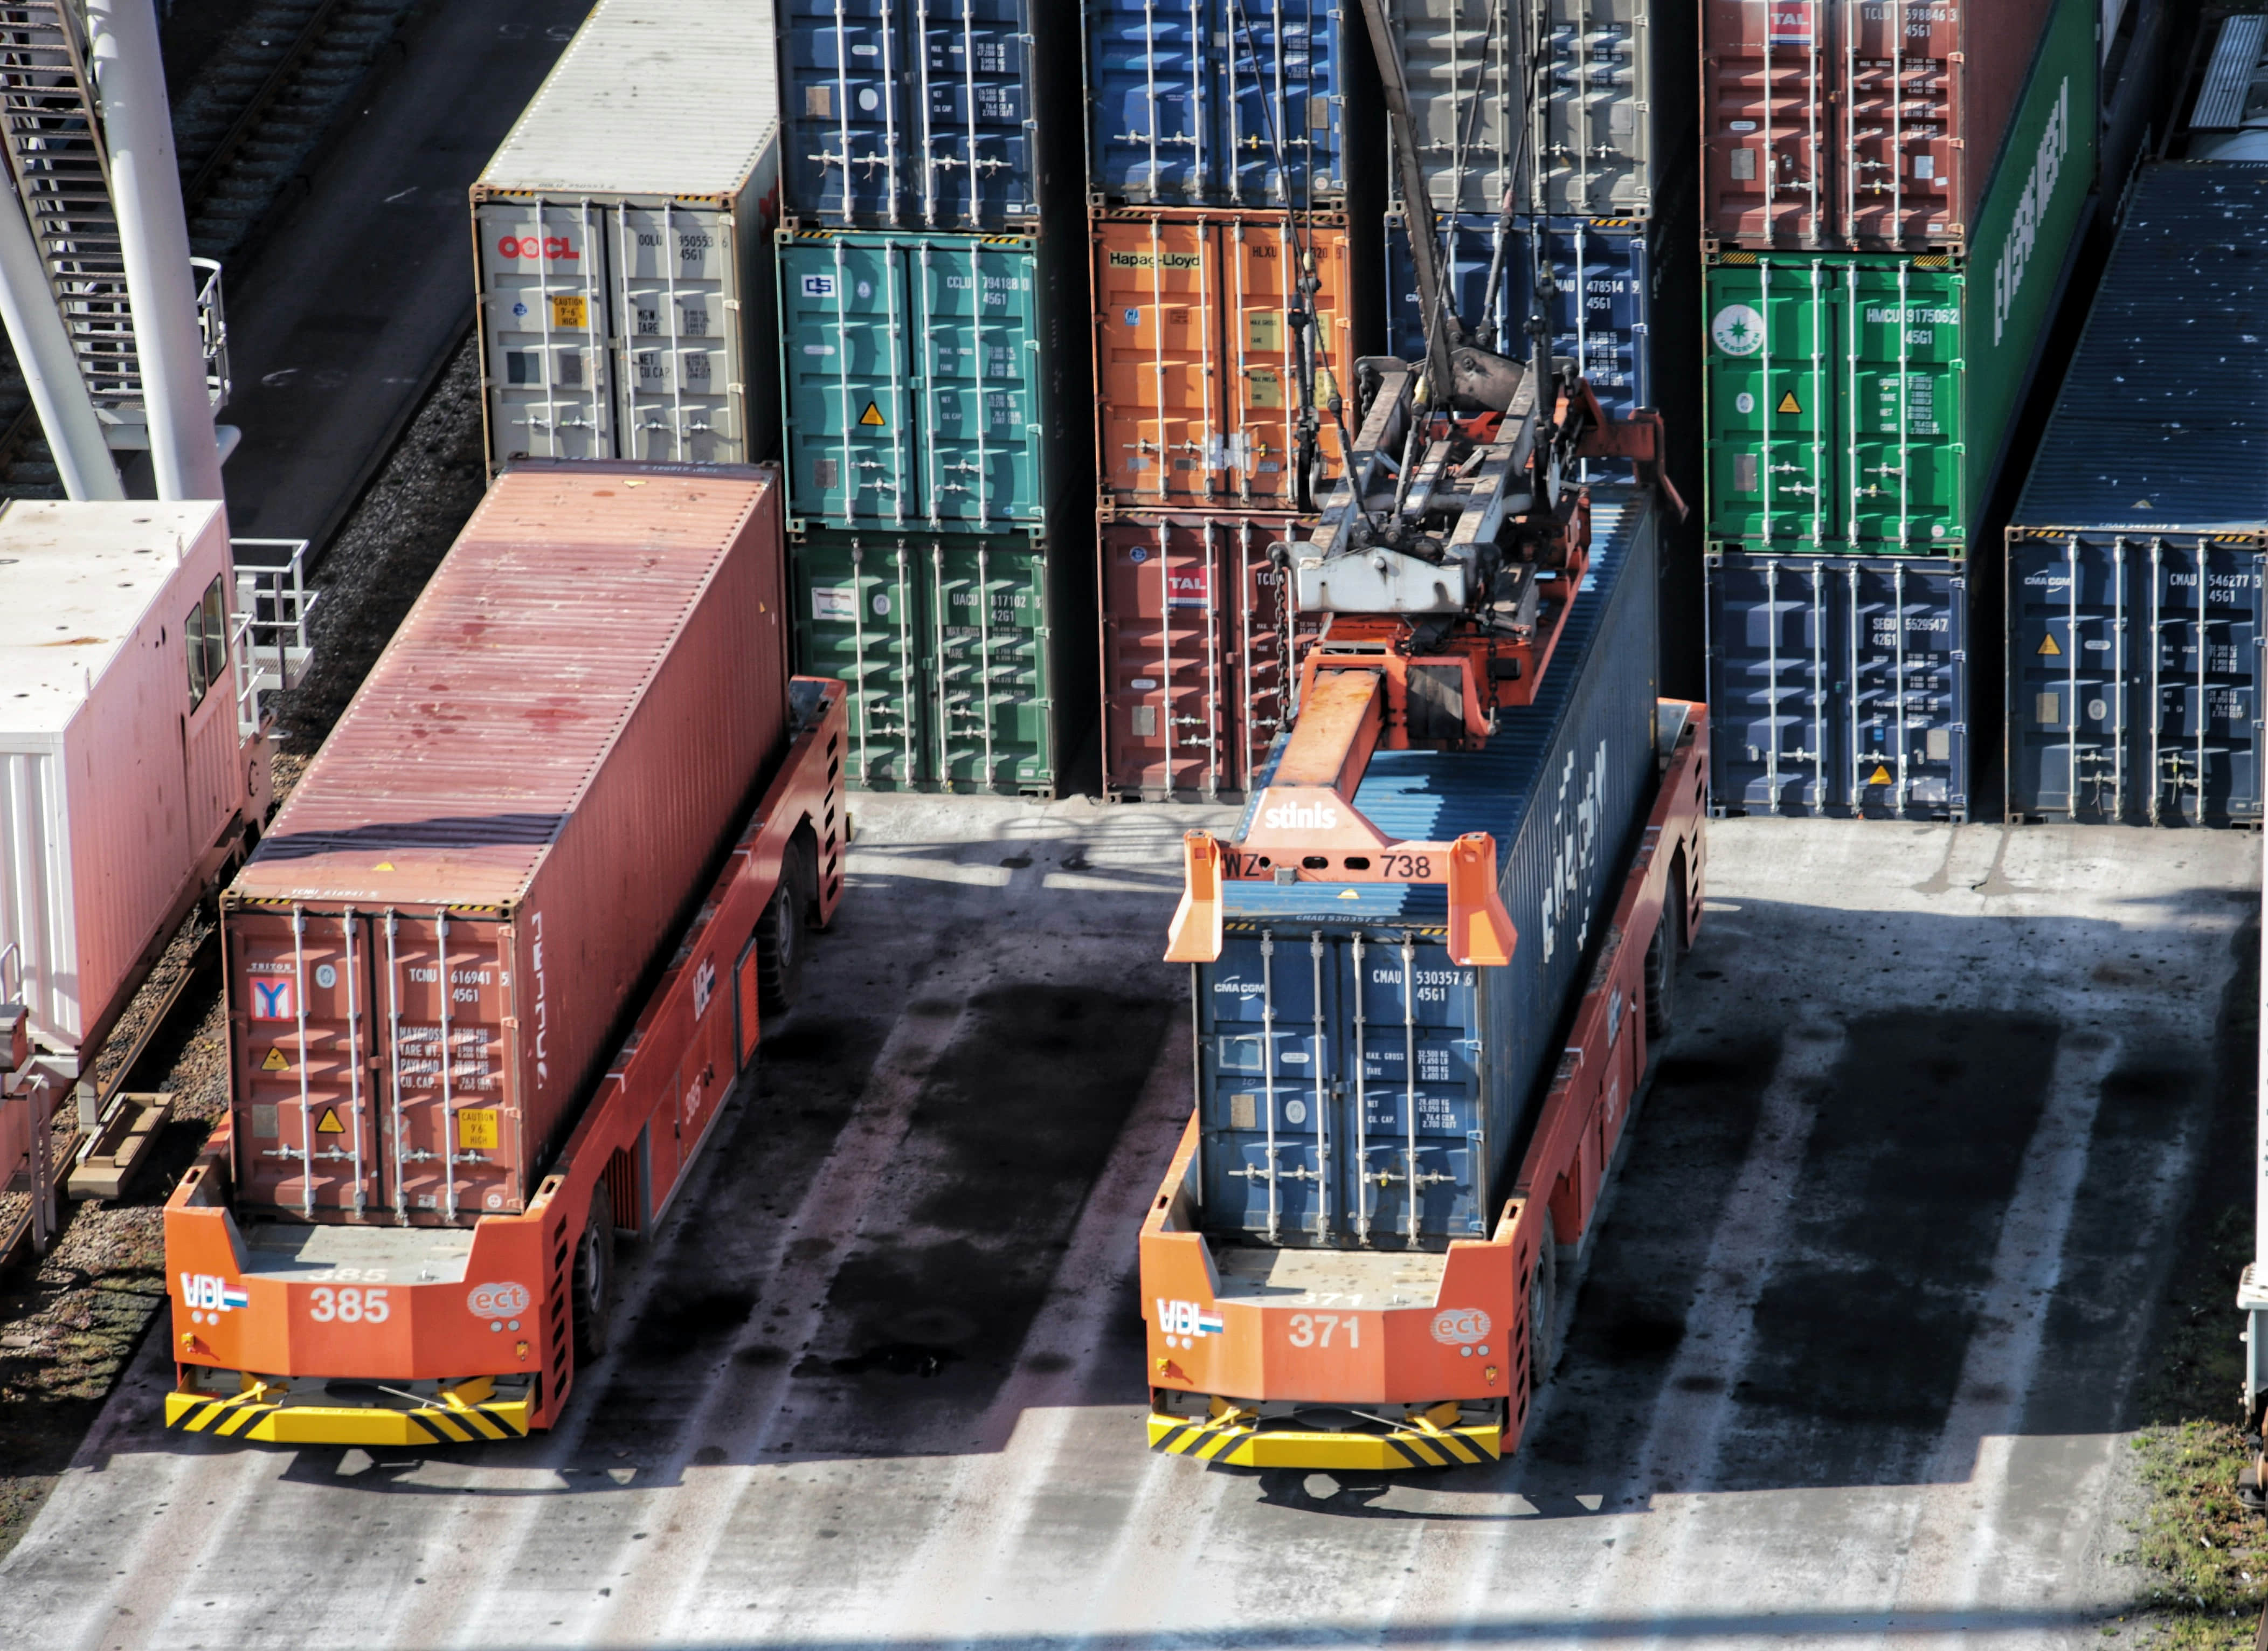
{"x":1313,"y":1330}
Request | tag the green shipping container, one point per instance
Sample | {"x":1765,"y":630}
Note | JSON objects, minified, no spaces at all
{"x":948,"y":647}
{"x":1860,"y":403}
{"x":921,"y":376}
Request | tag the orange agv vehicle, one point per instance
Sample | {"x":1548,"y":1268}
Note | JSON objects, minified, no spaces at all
{"x":499,"y":960}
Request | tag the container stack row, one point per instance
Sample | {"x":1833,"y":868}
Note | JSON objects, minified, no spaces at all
{"x":1892,"y":198}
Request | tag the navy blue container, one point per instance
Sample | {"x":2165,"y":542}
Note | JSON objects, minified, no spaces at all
{"x":1838,"y":685}
{"x":1218,"y":102}
{"x":2134,"y":554}
{"x":1334,"y":1019}
{"x":909,"y":116}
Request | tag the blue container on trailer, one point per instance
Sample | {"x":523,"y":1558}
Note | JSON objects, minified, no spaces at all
{"x":1838,"y":686}
{"x":2135,"y":555}
{"x":1333,"y":1018}
{"x":1238,"y":103}
{"x":930,"y":114}
{"x":1600,"y":308}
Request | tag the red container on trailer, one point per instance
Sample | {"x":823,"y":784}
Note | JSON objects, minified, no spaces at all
{"x":1865,"y":125}
{"x":1195,"y":639}
{"x":430,"y":955}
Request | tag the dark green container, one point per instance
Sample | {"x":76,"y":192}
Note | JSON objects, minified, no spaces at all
{"x":1861,"y":403}
{"x":949,"y":643}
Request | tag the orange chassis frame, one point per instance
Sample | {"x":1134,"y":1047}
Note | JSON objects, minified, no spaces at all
{"x":236,"y":1364}
{"x":1407,"y":1368}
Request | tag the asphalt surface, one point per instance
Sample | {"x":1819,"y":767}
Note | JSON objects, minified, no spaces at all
{"x":354,"y":299}
{"x":1849,"y":1364}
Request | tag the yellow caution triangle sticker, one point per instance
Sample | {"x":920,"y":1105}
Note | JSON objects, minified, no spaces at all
{"x":2048,"y":645}
{"x":872,"y":414}
{"x":329,"y":1124}
{"x":1788,"y":404}
{"x":1880,"y":776}
{"x":274,"y":1062}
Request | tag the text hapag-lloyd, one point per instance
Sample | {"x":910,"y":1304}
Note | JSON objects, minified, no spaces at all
{"x":2031,"y":207}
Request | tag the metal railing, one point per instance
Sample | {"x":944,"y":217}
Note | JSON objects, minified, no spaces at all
{"x":268,"y":642}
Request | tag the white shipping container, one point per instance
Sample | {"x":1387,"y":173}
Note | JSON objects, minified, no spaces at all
{"x":622,"y":237}
{"x":127,"y":780}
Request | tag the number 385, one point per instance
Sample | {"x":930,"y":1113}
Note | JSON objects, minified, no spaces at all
{"x":349,"y":1307}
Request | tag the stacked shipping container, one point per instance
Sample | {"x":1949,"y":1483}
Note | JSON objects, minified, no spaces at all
{"x":929,"y":290}
{"x":1891,"y":200}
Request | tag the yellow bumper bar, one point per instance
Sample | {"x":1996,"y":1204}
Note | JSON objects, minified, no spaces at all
{"x":455,"y":1419}
{"x":1236,"y":1442}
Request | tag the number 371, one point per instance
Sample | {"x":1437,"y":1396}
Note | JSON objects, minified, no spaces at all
{"x":348,"y":1306}
{"x":1310,"y":1329}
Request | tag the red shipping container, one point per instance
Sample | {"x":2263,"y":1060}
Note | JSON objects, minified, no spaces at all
{"x":1196,"y":638}
{"x":431,"y":957}
{"x":1865,"y":125}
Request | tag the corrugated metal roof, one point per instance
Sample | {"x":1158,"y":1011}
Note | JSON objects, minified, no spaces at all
{"x":1432,"y":796}
{"x":2163,"y":418}
{"x":652,"y":97}
{"x":78,"y":579}
{"x":471,"y":741}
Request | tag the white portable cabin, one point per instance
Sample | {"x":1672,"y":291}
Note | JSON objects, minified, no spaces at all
{"x":131,"y":770}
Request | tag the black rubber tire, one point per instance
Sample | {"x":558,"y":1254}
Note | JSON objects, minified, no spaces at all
{"x":1543,"y":1318}
{"x":590,"y":1279}
{"x":783,"y":934}
{"x":1661,"y":954}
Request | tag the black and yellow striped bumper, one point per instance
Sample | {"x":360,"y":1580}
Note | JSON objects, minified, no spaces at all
{"x":453,"y":1419}
{"x":1234,"y":1442}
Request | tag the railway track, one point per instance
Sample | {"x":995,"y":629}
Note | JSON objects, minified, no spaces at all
{"x":243,"y":129}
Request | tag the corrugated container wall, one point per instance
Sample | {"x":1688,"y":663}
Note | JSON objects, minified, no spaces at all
{"x":122,"y":761}
{"x":969,"y":659}
{"x":1200,"y":398}
{"x":2134,"y":554}
{"x":928,"y":379}
{"x":1466,"y":65}
{"x":1315,"y":1136}
{"x":905,"y":115}
{"x":1612,"y":128}
{"x":433,"y":952}
{"x":1862,"y":403}
{"x":1859,"y":125}
{"x":1197,"y":637}
{"x":623,"y":238}
{"x":1235,"y":103}
{"x":1839,"y":685}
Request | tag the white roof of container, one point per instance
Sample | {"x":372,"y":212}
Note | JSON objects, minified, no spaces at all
{"x":77,"y":580}
{"x":652,"y":97}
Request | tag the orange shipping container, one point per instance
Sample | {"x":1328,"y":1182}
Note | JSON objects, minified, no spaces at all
{"x":1197,"y":390}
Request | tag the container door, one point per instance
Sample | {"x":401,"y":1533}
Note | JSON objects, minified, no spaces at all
{"x":2074,"y":710}
{"x":1902,"y":450}
{"x":1166,"y":660}
{"x":1157,"y":345}
{"x":1272,"y":1093}
{"x":544,"y":312}
{"x":449,"y":1131}
{"x":304,"y":1041}
{"x":990,"y":690}
{"x":1280,"y":104}
{"x":848,"y":126}
{"x":1148,"y":98}
{"x":674,"y":283}
{"x":1774,"y":625}
{"x":1771,"y":369}
{"x":857,"y":619}
{"x":1906,"y":702}
{"x":1272,"y":426}
{"x":1595,"y":119}
{"x":1898,"y":153}
{"x":1411,"y":1119}
{"x":981,"y":431}
{"x":1767,"y":122}
{"x":979,"y":170}
{"x":847,"y":318}
{"x":1462,"y":59}
{"x":2204,"y":734}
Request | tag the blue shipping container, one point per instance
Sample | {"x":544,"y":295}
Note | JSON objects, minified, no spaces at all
{"x":1838,"y":685}
{"x":2134,"y":677}
{"x":1338,"y":1043}
{"x":1599,"y":309}
{"x":1218,"y":102}
{"x":920,"y":114}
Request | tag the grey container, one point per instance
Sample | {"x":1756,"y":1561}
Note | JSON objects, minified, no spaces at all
{"x":623,"y":240}
{"x":1838,"y":686}
{"x":2134,"y":553}
{"x":1338,"y":1043}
